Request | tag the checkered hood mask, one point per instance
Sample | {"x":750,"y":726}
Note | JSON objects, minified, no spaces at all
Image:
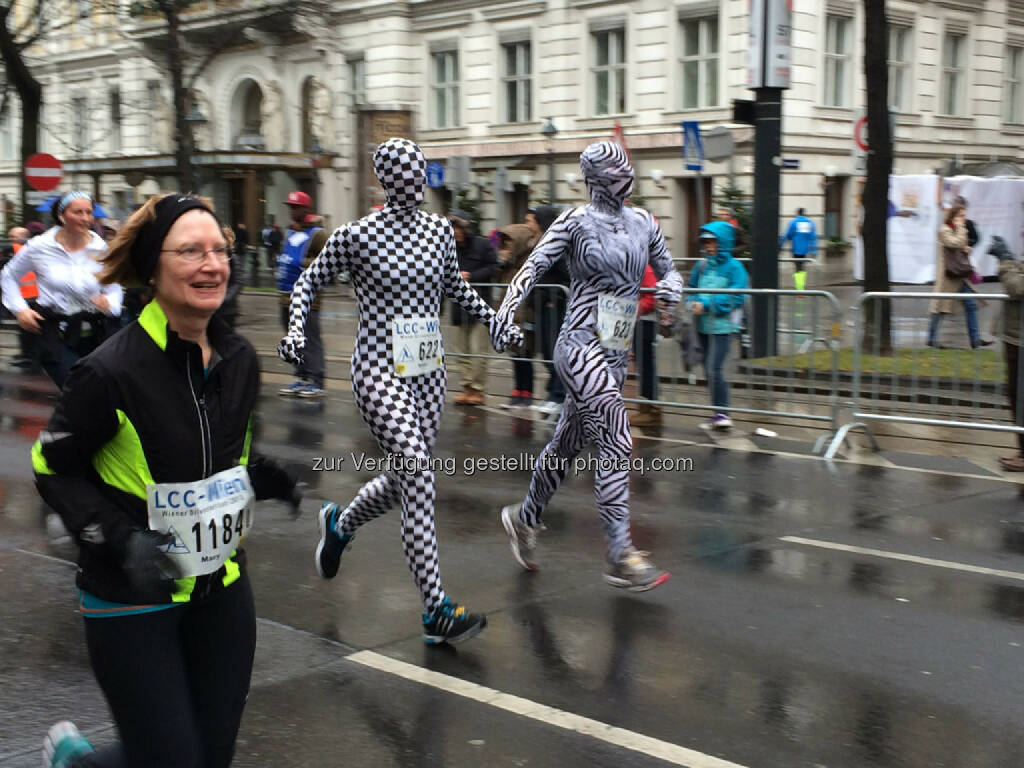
{"x":609,"y":175}
{"x":401,"y":169}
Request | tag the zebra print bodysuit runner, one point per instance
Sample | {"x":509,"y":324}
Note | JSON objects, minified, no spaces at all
{"x":608,"y":246}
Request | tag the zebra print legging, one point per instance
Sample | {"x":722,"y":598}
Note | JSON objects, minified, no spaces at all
{"x":593,"y":412}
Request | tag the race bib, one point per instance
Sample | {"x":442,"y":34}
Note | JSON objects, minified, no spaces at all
{"x":208,"y":518}
{"x":416,"y":345}
{"x":616,"y":317}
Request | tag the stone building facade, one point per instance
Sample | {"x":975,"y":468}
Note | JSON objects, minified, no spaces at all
{"x":287,"y":83}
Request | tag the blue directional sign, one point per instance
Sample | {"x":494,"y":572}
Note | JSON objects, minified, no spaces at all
{"x":435,"y":174}
{"x":693,"y":147}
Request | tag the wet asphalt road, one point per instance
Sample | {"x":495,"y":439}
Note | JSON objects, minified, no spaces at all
{"x":765,"y":652}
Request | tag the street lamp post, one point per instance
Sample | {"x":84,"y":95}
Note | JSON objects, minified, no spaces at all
{"x":195,"y":119}
{"x":549,"y":131}
{"x":315,"y":154}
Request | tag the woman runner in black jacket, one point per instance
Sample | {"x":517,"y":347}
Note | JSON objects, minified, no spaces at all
{"x":148,"y":460}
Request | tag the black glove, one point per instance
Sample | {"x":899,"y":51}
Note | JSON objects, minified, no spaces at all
{"x":1000,"y":249}
{"x":149,"y":569}
{"x":296,"y":499}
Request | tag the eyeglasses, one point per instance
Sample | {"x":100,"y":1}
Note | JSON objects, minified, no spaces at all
{"x":194,"y":254}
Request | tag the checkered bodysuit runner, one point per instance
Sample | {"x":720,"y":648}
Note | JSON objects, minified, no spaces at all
{"x":608,"y":246}
{"x":402,"y":263}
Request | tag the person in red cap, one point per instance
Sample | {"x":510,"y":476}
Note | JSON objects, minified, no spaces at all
{"x":303,"y":242}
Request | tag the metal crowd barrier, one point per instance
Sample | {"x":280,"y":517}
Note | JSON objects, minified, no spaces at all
{"x":786,"y":385}
{"x":936,"y":376}
{"x":783,"y":385}
{"x":685,"y":263}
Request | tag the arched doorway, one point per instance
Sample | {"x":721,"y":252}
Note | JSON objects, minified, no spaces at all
{"x":246,"y":117}
{"x":245,"y":185}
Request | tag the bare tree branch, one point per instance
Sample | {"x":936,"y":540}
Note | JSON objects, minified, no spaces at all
{"x":212,"y":54}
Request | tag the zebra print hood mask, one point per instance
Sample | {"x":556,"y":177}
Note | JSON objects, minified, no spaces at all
{"x":401,"y":169}
{"x":609,"y":176}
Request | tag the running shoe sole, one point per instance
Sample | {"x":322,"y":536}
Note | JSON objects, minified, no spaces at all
{"x":513,"y":538}
{"x":631,"y":587}
{"x":468,"y":634}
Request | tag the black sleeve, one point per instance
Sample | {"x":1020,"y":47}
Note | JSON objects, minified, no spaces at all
{"x":972,"y":234}
{"x":269,"y":479}
{"x":84,"y":420}
{"x":234,"y":283}
{"x":487,"y":262}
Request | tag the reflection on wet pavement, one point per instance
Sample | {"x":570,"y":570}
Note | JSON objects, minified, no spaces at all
{"x":763,"y":652}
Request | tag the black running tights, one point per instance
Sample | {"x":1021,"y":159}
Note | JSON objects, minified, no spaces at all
{"x":176,"y":681}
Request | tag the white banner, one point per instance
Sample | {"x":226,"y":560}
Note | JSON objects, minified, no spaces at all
{"x":913,"y":227}
{"x":996,"y":206}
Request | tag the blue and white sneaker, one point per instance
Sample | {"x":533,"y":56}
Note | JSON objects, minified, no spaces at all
{"x":451,"y":623}
{"x":293,"y":389}
{"x":63,"y":744}
{"x":548,"y":408}
{"x":332,"y":544}
{"x":311,"y":391}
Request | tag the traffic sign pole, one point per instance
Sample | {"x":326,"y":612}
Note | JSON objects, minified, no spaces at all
{"x":693,"y":156}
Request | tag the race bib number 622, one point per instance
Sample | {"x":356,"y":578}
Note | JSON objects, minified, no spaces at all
{"x":208,"y":518}
{"x":416,"y":345}
{"x":616,"y":317}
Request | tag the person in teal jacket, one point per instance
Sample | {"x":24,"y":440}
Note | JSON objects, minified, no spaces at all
{"x":714,"y":311}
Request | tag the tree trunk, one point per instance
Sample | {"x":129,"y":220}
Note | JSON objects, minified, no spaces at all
{"x":30,"y":94}
{"x":877,"y":320}
{"x":175,"y":65}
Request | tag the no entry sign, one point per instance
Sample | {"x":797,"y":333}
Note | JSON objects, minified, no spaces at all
{"x":43,"y":172}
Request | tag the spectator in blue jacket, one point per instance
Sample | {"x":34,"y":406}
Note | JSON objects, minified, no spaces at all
{"x":802,"y":233}
{"x":714,"y":311}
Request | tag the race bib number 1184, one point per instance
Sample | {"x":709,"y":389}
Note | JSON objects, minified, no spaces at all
{"x":208,"y":518}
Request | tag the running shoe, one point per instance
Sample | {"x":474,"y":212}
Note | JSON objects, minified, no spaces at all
{"x":311,"y":391}
{"x":63,"y":744}
{"x":293,"y":389}
{"x":522,"y":539}
{"x":720,"y":421}
{"x":716,"y":422}
{"x":548,"y":408}
{"x":515,"y":402}
{"x":332,"y":544}
{"x":451,"y":623}
{"x":633,"y":571}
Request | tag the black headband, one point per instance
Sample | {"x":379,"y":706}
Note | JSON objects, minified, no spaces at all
{"x":146,"y":247}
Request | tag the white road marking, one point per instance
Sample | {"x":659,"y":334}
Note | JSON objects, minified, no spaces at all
{"x":905,"y":558}
{"x":620,"y":737}
{"x":61,"y":560}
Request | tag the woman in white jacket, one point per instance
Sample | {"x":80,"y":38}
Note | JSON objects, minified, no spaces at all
{"x":66,"y":260}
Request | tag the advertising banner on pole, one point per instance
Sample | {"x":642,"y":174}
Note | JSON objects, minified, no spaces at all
{"x":769,"y":46}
